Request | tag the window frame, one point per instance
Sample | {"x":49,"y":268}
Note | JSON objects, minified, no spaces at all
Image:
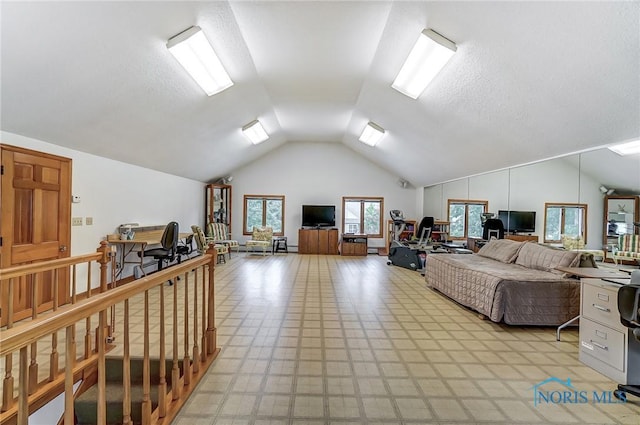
{"x":563,"y":206}
{"x":466,"y":203}
{"x":362,"y":200}
{"x":264,"y":199}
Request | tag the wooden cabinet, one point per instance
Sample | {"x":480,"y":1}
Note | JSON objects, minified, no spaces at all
{"x":318,"y":241}
{"x":353,"y":244}
{"x":218,"y":204}
{"x":522,"y":238}
{"x":605,"y":344}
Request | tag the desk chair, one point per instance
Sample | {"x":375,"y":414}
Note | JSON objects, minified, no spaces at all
{"x":185,"y":249}
{"x":493,"y":227}
{"x":629,"y":309}
{"x":169,"y":242}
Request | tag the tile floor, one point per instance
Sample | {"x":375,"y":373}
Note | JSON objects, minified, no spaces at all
{"x":312,"y":339}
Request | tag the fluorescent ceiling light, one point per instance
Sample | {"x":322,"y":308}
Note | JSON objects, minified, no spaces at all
{"x":371,"y":134}
{"x":192,"y":49}
{"x":255,"y":132}
{"x":429,"y":55}
{"x":629,"y":148}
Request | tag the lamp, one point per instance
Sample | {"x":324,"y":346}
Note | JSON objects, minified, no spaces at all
{"x":255,"y":132}
{"x":429,"y":55}
{"x":192,"y":49}
{"x":371,"y":134}
{"x":629,"y":148}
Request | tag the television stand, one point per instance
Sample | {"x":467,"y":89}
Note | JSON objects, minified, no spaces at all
{"x":322,"y":240}
{"x":521,"y":238}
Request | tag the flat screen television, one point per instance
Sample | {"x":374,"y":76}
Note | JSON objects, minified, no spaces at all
{"x":318,"y":216}
{"x":518,"y":221}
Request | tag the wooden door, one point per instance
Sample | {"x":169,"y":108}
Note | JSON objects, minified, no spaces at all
{"x":35,"y":226}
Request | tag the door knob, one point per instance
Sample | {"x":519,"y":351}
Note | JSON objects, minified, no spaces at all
{"x":63,"y":248}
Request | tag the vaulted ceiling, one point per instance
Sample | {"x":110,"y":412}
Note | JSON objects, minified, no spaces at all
{"x":530,"y":80}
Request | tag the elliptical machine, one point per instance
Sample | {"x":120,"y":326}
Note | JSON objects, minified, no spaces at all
{"x":400,"y":254}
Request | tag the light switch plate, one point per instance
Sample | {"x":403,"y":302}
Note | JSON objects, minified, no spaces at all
{"x":76,"y":221}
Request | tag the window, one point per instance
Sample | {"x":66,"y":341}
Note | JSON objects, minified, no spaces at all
{"x":465,"y":218}
{"x":263,"y":210}
{"x":564,"y":219}
{"x":362,"y":215}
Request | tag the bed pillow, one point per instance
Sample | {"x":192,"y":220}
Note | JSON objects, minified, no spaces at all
{"x":546,"y":258}
{"x":503,"y":250}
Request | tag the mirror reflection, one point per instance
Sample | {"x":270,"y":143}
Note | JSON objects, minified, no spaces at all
{"x":580,"y":201}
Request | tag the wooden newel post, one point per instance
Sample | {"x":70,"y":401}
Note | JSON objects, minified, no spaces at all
{"x":211,"y":328}
{"x":104,"y":263}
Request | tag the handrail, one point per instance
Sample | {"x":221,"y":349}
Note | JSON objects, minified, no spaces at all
{"x":26,"y":269}
{"x":21,"y":338}
{"x":13,"y":339}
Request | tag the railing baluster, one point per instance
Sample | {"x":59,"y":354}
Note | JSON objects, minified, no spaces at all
{"x":186,"y":361}
{"x":87,"y":335}
{"x":146,"y":380}
{"x":33,"y":366}
{"x":23,"y":393}
{"x":102,"y":368}
{"x":203,"y":342}
{"x":68,"y":377}
{"x":162,"y":386}
{"x":175,"y":371}
{"x":196,"y":354}
{"x":7,"y":383}
{"x":126,"y":370}
{"x":54,"y":356}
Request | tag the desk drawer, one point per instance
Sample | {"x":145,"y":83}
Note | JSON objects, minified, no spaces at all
{"x":603,"y":343}
{"x":600,"y":304}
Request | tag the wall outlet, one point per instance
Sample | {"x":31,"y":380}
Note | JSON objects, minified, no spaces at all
{"x":88,"y":221}
{"x":76,"y":221}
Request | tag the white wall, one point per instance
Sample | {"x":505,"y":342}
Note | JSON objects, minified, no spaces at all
{"x":114,"y":192}
{"x":526,"y":188}
{"x":317,"y":173}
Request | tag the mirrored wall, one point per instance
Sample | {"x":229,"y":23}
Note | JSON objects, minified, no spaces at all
{"x":596,"y":179}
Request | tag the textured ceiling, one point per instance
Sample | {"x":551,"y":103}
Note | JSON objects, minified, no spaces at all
{"x":530,"y":80}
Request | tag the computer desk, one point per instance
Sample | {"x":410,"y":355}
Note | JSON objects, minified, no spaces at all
{"x":138,"y":244}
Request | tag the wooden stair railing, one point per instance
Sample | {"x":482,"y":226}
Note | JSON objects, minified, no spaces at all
{"x":195,"y":277}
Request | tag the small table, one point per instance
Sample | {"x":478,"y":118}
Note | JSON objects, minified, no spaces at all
{"x":279,"y":243}
{"x":586,"y":272}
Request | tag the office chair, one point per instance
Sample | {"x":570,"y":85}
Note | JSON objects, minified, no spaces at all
{"x":629,"y":309}
{"x":493,"y":227}
{"x":169,"y":242}
{"x":185,"y":249}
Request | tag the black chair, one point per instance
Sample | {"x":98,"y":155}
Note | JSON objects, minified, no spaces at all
{"x":169,"y":243}
{"x":493,"y":227}
{"x":629,"y":309}
{"x":185,"y":249}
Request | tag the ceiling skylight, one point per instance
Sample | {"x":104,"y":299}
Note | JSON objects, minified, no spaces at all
{"x":255,"y":132}
{"x":192,"y":49}
{"x":427,"y":58}
{"x":371,"y":134}
{"x":629,"y":148}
